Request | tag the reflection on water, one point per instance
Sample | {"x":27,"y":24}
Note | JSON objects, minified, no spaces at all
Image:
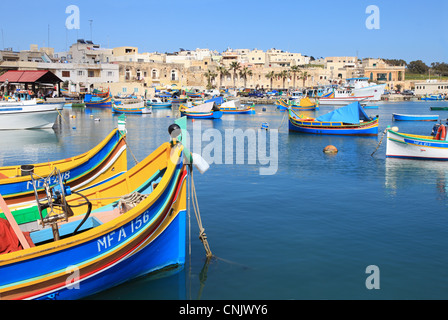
{"x":406,"y":172}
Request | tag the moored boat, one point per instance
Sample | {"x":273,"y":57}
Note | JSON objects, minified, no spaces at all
{"x":157,"y":103}
{"x":204,"y":111}
{"x":105,"y":242}
{"x":24,"y":112}
{"x":414,"y":117}
{"x":348,"y":120}
{"x":130,"y":108}
{"x":97,"y":102}
{"x":234,"y":107}
{"x":106,"y":160}
{"x":419,"y":147}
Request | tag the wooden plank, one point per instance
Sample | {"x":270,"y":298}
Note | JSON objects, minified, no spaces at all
{"x":13,"y":223}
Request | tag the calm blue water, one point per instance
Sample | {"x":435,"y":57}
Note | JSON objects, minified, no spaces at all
{"x":307,"y":232}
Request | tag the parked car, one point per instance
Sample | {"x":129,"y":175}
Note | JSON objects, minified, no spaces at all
{"x":408,"y":93}
{"x":256,"y":94}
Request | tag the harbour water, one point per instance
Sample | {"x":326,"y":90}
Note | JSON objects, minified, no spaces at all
{"x":309,"y":231}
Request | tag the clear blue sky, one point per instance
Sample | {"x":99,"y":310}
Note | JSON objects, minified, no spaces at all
{"x":408,"y":30}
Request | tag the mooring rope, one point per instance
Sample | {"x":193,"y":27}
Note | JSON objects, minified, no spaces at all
{"x":284,"y":116}
{"x":127,"y":146}
{"x":202,"y":235}
{"x":379,"y":143}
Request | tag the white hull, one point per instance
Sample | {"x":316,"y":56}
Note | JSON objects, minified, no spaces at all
{"x":415,"y":147}
{"x":37,"y":116}
{"x":361,"y":94}
{"x":343,"y":100}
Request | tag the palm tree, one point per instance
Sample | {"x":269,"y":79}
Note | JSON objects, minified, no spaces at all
{"x":244,"y":73}
{"x":222,"y":70}
{"x":304,"y":77}
{"x":211,"y":75}
{"x":235,"y":66}
{"x":294,"y":70}
{"x":283,"y":74}
{"x":270,"y":75}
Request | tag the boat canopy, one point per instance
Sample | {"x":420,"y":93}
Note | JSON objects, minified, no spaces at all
{"x":351,"y":113}
{"x":218,"y":100}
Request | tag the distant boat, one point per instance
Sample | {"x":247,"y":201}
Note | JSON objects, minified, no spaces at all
{"x":414,"y":117}
{"x":433,"y":97}
{"x":348,"y":120}
{"x":304,"y":104}
{"x":204,"y":111}
{"x":410,"y":146}
{"x":193,"y":94}
{"x":28,"y":113}
{"x":438,"y":108}
{"x":356,"y":89}
{"x":97,"y":102}
{"x":130,"y":108}
{"x":234,"y":107}
{"x":157,"y":103}
{"x":181,"y":99}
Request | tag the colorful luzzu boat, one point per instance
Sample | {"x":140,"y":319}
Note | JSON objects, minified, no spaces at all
{"x":203,"y":111}
{"x":412,"y":146}
{"x":135,"y":224}
{"x":107,"y":160}
{"x":97,"y":102}
{"x":348,"y":120}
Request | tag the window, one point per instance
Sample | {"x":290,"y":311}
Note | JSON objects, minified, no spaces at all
{"x":154,"y":74}
{"x":125,"y":90}
{"x":91,"y":73}
{"x":110,"y":73}
{"x":173,"y":75}
{"x":80,"y":73}
{"x":135,"y":90}
{"x":66,"y":74}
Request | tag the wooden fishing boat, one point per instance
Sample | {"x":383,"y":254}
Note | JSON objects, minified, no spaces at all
{"x":193,"y":94}
{"x":203,"y":111}
{"x":100,"y":93}
{"x":141,"y":231}
{"x":105,"y":161}
{"x":157,"y":103}
{"x":304,"y":104}
{"x":411,"y":146}
{"x":348,"y":120}
{"x":130,"y":108}
{"x":414,"y":117}
{"x":181,"y":99}
{"x":97,"y":102}
{"x":432,"y":97}
{"x":234,"y":107}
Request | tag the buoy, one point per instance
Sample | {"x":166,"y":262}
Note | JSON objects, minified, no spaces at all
{"x":265,"y":126}
{"x":74,"y":128}
{"x":330,"y":149}
{"x":97,"y":119}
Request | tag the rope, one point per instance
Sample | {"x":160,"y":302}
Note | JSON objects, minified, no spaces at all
{"x":284,"y":116}
{"x":61,"y":116}
{"x":127,"y":146}
{"x":379,"y":143}
{"x":202,"y":235}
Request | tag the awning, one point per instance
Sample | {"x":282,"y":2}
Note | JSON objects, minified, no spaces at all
{"x":29,"y":76}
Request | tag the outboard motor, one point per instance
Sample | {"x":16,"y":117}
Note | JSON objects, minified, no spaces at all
{"x":215,"y":107}
{"x":435,"y":129}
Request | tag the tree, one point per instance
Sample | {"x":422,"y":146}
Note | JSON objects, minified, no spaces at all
{"x":440,"y":68}
{"x":270,"y":75}
{"x":304,"y":75}
{"x":418,"y":67}
{"x":222,"y":70}
{"x":211,"y":75}
{"x":235,"y":66}
{"x":244,"y":73}
{"x":294,"y":70}
{"x":283,"y":74}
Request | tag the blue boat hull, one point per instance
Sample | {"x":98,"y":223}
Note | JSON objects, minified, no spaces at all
{"x":167,"y":250}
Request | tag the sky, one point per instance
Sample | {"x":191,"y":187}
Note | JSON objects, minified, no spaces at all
{"x":407,"y":30}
